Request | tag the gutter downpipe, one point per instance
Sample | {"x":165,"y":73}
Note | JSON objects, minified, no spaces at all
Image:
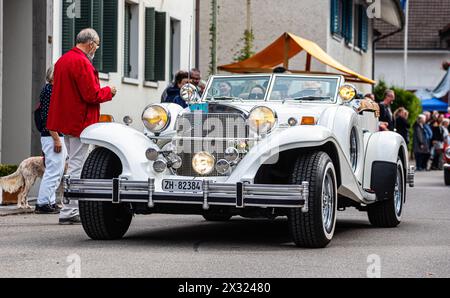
{"x":375,"y":40}
{"x":197,"y":34}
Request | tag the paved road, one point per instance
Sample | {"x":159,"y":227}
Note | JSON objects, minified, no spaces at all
{"x":187,"y":246}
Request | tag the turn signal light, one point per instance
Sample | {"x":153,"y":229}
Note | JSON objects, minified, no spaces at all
{"x":308,"y":121}
{"x":106,"y":118}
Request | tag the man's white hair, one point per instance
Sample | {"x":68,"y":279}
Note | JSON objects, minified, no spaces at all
{"x":87,"y":35}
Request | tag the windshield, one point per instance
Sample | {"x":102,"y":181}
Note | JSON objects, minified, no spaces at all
{"x":304,"y":88}
{"x":238,"y":88}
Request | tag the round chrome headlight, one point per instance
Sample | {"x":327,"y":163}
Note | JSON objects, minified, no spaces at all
{"x":447,"y":153}
{"x":203,"y":163}
{"x":262,"y":120}
{"x":156,"y":118}
{"x":223,"y":167}
{"x":348,"y":92}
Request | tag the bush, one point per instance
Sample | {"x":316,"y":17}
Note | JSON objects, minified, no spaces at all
{"x":405,"y":99}
{"x":6,"y":170}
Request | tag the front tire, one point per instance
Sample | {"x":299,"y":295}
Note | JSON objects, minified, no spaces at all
{"x":315,"y":229}
{"x":388,"y":213}
{"x":103,"y":220}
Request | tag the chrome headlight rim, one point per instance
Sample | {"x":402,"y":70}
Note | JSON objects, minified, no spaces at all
{"x":169,"y":117}
{"x":350,"y":86}
{"x":275,"y":115}
{"x":211,"y":168}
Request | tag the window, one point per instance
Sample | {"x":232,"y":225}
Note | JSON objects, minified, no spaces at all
{"x":100,"y":15}
{"x":342,"y":19}
{"x":155,"y":45}
{"x":361,"y":28}
{"x":131,"y":41}
{"x":175,"y":46}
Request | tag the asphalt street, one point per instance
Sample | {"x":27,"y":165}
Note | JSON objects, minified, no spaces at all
{"x":187,"y":246}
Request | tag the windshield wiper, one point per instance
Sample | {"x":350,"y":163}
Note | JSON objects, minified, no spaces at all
{"x":233,"y":98}
{"x":306,"y":98}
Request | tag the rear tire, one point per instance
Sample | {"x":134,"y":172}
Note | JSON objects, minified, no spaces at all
{"x":103,"y":220}
{"x":315,"y":229}
{"x":388,"y":213}
{"x":447,"y":176}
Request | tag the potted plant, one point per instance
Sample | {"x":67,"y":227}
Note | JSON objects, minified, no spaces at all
{"x":5,"y":197}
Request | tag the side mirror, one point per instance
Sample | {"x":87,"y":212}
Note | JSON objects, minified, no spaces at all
{"x":189,"y":93}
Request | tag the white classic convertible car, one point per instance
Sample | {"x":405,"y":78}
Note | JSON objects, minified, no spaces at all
{"x":256,"y":146}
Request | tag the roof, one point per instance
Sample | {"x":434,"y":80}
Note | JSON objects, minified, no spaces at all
{"x":427,"y":18}
{"x":285,"y":48}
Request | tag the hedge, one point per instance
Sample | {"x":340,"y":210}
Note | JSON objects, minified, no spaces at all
{"x":6,"y":170}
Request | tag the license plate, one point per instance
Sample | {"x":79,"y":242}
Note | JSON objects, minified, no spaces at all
{"x":182,"y":185}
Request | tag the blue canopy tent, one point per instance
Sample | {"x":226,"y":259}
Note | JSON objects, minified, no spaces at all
{"x":434,"y":104}
{"x":434,"y":100}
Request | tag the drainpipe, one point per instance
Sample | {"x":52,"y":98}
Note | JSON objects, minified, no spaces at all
{"x":197,"y":33}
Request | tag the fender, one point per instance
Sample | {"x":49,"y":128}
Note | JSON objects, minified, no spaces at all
{"x":127,"y":143}
{"x":382,"y":151}
{"x":268,"y":149}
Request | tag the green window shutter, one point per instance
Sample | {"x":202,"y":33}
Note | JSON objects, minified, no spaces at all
{"x":348,"y":20}
{"x":109,"y":34}
{"x":68,"y":29}
{"x":160,"y":46}
{"x":126,"y":42}
{"x":84,"y":21}
{"x":335,"y":20}
{"x":97,"y":25}
{"x":364,"y":29}
{"x":150,"y":44}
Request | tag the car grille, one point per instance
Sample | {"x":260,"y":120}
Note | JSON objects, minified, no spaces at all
{"x":210,"y":132}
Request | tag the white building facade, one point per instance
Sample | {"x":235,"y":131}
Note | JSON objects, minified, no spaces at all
{"x":143,"y":42}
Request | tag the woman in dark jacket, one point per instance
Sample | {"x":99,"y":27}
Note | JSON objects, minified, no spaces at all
{"x":401,"y":123}
{"x":172,"y":93}
{"x":421,"y":149}
{"x":437,"y":142}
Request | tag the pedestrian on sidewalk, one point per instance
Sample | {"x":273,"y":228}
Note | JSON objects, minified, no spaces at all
{"x":437,"y":142}
{"x":401,"y":123}
{"x":54,"y":154}
{"x":75,"y":105}
{"x":420,"y":144}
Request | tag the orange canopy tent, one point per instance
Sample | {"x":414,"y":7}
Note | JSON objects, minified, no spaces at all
{"x":285,"y":48}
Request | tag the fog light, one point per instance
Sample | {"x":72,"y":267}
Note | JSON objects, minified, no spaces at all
{"x":203,"y":163}
{"x":231,"y":154}
{"x":292,"y":122}
{"x":152,"y":154}
{"x":176,"y":161}
{"x":223,"y":166}
{"x":160,"y":166}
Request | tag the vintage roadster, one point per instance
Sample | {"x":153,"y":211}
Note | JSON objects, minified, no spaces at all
{"x":256,"y":146}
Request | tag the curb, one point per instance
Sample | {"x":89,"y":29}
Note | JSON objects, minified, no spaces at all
{"x":5,"y":211}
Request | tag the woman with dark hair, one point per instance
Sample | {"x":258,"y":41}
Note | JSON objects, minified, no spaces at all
{"x":172,"y":93}
{"x":225,"y":89}
{"x":257,"y":92}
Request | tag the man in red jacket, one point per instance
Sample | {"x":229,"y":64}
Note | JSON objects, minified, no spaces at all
{"x":75,"y":105}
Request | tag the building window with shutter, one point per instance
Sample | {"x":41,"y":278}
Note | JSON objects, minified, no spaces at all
{"x":131,"y":41}
{"x":342,"y":19}
{"x":361,"y":26}
{"x":155,"y":45}
{"x":100,"y":15}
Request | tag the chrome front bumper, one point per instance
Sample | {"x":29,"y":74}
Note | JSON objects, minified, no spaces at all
{"x":239,"y":195}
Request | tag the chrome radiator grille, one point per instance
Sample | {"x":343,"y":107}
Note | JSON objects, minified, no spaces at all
{"x":210,"y":132}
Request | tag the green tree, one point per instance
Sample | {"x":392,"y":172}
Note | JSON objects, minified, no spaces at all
{"x":405,"y":99}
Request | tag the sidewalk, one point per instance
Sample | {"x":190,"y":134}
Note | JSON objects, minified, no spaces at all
{"x":13,"y":210}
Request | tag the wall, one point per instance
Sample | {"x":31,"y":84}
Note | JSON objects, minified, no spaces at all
{"x":133,"y":94}
{"x":1,"y":74}
{"x":306,"y":18}
{"x":17,"y":80}
{"x":424,"y":68}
